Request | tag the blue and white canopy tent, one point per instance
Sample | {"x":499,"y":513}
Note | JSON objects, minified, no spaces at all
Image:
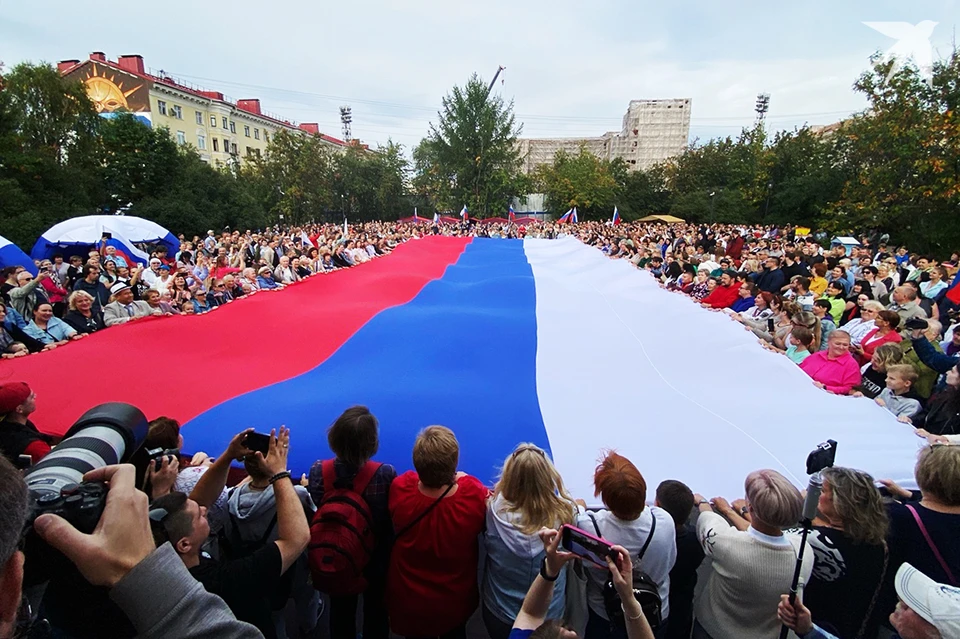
{"x":11,"y":255}
{"x":80,"y":234}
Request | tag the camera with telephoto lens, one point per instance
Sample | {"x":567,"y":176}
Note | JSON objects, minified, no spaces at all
{"x":822,"y":457}
{"x":916,"y":324}
{"x":105,"y":435}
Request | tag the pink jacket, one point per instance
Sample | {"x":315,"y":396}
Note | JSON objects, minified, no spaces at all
{"x":838,"y":375}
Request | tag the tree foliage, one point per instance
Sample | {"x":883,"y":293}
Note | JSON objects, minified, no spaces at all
{"x":582,"y":180}
{"x":60,"y":159}
{"x":470,"y":156}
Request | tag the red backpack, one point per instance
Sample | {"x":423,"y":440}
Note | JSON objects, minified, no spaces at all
{"x":341,"y":534}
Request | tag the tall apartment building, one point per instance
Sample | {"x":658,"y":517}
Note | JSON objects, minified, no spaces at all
{"x":218,"y":128}
{"x":653,"y":131}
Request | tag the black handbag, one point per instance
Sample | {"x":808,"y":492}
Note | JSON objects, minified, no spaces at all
{"x":645,"y":589}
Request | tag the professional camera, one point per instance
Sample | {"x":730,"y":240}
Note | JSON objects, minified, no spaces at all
{"x":822,"y":457}
{"x":916,"y":324}
{"x":106,"y":434}
{"x":157,"y":455}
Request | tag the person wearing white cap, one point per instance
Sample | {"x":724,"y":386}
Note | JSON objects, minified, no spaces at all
{"x":927,"y":610}
{"x":152,"y":274}
{"x":124,"y":308}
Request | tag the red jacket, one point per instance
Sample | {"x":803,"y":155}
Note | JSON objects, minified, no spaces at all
{"x":722,"y":296}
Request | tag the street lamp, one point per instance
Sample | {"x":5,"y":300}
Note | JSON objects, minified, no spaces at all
{"x":712,"y":193}
{"x":766,"y":206}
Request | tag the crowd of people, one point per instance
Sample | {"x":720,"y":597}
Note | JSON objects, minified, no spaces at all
{"x":353,"y":546}
{"x":868,"y":320}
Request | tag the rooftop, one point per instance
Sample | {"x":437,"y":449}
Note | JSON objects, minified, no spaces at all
{"x":134,"y":65}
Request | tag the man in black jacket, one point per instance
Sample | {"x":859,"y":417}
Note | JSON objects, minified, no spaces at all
{"x":792,"y":267}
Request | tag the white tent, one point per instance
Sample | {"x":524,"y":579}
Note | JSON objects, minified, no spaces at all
{"x":80,"y":233}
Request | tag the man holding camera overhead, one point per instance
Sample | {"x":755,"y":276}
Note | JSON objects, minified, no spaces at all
{"x":245,"y":583}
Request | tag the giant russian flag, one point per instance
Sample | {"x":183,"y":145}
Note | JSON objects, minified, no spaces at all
{"x":504,"y":341}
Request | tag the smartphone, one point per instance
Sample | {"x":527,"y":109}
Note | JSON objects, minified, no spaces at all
{"x":770,"y":325}
{"x":257,"y":442}
{"x":107,"y":236}
{"x":583,"y":544}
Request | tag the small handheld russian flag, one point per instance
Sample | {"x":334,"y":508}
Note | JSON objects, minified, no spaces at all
{"x":511,"y":215}
{"x":574,"y":218}
{"x":436,"y":217}
{"x":464,"y":214}
{"x":616,"y":216}
{"x":566,"y":217}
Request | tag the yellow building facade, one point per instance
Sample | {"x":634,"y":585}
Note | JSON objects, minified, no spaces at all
{"x":220,"y":130}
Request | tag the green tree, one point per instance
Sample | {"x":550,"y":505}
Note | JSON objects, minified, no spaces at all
{"x":902,"y":158}
{"x":470,"y":156}
{"x":371,"y":183}
{"x":293,"y":178}
{"x":582,"y":180}
{"x":138,"y":161}
{"x":643,"y":193}
{"x":49,"y":152}
{"x":802,"y":177}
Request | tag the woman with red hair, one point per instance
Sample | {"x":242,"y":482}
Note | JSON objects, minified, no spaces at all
{"x":629,"y":522}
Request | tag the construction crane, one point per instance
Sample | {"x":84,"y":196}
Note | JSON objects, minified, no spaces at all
{"x":495,"y":76}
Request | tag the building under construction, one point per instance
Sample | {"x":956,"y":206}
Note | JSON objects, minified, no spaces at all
{"x":653,"y":130}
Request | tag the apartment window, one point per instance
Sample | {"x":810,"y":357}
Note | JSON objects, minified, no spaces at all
{"x":199,"y":118}
{"x":266,"y":136}
{"x":249,"y":151}
{"x":213,"y":121}
{"x":216,"y":145}
{"x":162,"y":107}
{"x":233,"y":148}
{"x":202,"y":142}
{"x":246,"y":131}
{"x":256,"y":134}
{"x":177,"y":112}
{"x":225,"y":123}
{"x":181,"y":137}
{"x":233,"y":127}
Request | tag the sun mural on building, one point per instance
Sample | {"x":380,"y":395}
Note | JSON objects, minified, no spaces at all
{"x":109,"y":95}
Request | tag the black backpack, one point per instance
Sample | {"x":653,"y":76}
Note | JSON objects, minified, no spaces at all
{"x":645,"y":589}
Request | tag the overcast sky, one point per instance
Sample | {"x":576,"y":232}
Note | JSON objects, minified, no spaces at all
{"x":571,"y":67}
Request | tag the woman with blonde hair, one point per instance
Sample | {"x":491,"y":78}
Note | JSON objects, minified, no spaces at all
{"x":529,"y":495}
{"x":850,"y":554}
{"x":81,"y":315}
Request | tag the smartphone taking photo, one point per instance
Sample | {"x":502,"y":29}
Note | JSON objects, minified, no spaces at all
{"x":257,"y":442}
{"x":585,"y":545}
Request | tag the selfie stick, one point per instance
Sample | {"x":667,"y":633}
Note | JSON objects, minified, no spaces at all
{"x":814,"y":489}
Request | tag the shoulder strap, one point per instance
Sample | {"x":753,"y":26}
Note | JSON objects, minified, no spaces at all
{"x":595,"y":526}
{"x":365,"y":476}
{"x":653,"y":529}
{"x":269,"y":530}
{"x":933,"y":547}
{"x":425,"y":512}
{"x":329,"y":477}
